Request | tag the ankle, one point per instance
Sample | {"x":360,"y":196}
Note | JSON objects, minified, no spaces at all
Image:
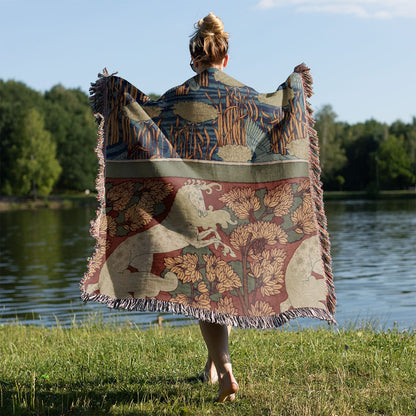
{"x":227,"y":377}
{"x":226,"y":372}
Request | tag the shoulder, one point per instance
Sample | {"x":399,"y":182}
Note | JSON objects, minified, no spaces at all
{"x":210,"y":79}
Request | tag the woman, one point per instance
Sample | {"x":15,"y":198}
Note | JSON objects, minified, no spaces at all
{"x":211,"y":203}
{"x":209,"y":49}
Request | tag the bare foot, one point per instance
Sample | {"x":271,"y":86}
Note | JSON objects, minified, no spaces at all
{"x":209,"y":375}
{"x":228,"y":388}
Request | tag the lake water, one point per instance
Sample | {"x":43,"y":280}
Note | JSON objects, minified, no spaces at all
{"x":43,"y":257}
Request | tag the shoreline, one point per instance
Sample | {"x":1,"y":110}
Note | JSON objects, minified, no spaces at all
{"x":61,"y":201}
{"x":364,"y":195}
{"x":67,"y":201}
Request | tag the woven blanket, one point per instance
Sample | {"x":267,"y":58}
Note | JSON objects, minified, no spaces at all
{"x":210,"y":202}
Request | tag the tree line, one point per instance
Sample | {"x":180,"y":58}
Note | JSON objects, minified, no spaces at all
{"x":367,"y":156}
{"x":47,"y":143}
{"x":47,"y":140}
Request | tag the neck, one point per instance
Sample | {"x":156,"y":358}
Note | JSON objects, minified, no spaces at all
{"x":202,"y":68}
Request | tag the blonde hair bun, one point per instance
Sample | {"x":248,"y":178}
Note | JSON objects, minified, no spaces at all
{"x":211,"y":25}
{"x":209,"y":43}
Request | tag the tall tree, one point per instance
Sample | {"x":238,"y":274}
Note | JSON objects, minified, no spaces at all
{"x":35,"y":167}
{"x":362,"y":141}
{"x":8,"y":120}
{"x":408,"y":134}
{"x":14,"y":97}
{"x":394,"y":164}
{"x":332,"y":155}
{"x":70,"y":120}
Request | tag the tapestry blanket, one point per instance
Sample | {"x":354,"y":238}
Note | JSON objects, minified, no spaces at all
{"x":210,"y":202}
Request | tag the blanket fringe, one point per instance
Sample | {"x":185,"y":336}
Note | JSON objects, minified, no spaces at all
{"x":317,"y":192}
{"x":98,"y":103}
{"x":257,"y":322}
{"x":98,"y":91}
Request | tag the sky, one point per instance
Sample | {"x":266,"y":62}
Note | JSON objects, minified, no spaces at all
{"x":362,"y":53}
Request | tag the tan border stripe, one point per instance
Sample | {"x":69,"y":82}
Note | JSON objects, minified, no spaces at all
{"x":208,"y":170}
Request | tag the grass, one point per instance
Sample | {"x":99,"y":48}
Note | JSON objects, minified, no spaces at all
{"x":108,"y":369}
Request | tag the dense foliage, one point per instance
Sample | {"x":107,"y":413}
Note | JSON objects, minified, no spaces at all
{"x":47,"y":140}
{"x":47,"y":143}
{"x":366,"y":156}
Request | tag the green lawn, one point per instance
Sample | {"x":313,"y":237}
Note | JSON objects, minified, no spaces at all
{"x":109,"y":369}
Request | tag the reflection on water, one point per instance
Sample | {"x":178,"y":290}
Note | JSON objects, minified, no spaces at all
{"x":43,"y":258}
{"x":374,"y":260}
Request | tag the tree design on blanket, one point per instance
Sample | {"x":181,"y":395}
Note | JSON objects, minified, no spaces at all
{"x":267,"y":222}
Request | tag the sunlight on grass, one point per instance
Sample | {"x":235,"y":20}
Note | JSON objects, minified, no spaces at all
{"x":118,"y":369}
